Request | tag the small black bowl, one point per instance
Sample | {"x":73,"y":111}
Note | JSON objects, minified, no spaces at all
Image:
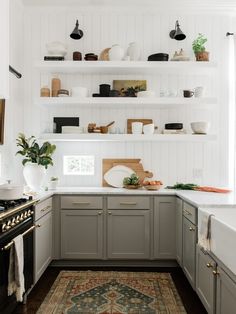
{"x":159,"y":57}
{"x":174,"y":126}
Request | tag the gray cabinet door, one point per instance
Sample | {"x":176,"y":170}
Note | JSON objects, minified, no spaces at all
{"x":179,"y":230}
{"x":206,"y":280}
{"x":226,"y":293}
{"x":82,"y":234}
{"x":128,"y":234}
{"x":165,"y":227}
{"x":43,"y":245}
{"x":189,"y":250}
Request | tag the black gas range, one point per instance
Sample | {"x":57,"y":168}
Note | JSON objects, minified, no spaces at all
{"x":16,"y":217}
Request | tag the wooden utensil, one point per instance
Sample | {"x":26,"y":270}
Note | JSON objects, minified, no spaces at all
{"x":104,"y":129}
{"x":130,"y":121}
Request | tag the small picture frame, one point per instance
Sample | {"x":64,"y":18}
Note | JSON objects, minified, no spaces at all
{"x":2,"y":117}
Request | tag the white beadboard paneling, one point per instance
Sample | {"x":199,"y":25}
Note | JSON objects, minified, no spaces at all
{"x":169,"y":162}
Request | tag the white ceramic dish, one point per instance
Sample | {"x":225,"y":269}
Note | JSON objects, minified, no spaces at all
{"x":200,"y":127}
{"x":11,"y":192}
{"x":147,"y":93}
{"x":148,"y":128}
{"x":71,"y":129}
{"x":56,"y":48}
{"x":116,"y":175}
{"x":79,"y":91}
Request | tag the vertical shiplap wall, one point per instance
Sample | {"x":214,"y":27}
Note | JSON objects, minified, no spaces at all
{"x":103,"y":27}
{"x":14,"y":109}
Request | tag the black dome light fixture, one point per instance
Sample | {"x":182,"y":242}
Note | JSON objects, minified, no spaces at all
{"x":176,"y":33}
{"x":77,"y":33}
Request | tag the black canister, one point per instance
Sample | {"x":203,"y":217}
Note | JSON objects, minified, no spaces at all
{"x":104,"y":90}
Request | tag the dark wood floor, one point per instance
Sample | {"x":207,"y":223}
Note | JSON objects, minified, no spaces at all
{"x":189,"y":298}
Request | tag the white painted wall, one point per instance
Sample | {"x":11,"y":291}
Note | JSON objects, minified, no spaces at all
{"x":14,"y":110}
{"x":103,"y":27}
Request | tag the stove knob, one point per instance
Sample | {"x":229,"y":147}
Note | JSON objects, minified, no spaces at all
{"x":22,"y":217}
{"x":8,"y":227}
{"x":4,"y":228}
{"x":17,"y":219}
{"x":13,"y":222}
{"x":29,"y":213}
{"x":25,"y":214}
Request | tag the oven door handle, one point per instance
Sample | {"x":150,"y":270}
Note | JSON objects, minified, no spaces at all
{"x":8,"y":246}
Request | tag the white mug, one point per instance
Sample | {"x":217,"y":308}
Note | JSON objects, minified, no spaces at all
{"x":198,"y":91}
{"x":137,"y":127}
{"x":148,"y":128}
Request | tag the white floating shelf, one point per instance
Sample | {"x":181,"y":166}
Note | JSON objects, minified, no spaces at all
{"x":124,"y":67}
{"x":120,"y":102}
{"x":55,"y":137}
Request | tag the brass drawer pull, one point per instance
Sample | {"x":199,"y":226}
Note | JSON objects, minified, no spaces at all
{"x":81,"y":203}
{"x":46,"y":208}
{"x":109,"y":213}
{"x":99,"y":213}
{"x":128,"y":203}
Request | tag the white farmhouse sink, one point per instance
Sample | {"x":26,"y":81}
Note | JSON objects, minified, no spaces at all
{"x":223,"y":234}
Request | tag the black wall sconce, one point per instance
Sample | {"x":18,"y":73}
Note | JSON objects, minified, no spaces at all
{"x":77,"y":33}
{"x":176,"y":33}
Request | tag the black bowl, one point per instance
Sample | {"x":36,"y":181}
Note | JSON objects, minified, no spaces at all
{"x":159,"y":57}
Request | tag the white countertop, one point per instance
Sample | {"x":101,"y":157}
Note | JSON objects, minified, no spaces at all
{"x":196,"y":198}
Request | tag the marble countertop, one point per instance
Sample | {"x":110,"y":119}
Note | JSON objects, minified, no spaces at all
{"x":196,"y":198}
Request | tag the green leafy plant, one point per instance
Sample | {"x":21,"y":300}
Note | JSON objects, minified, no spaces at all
{"x":132,"y":180}
{"x":198,"y":43}
{"x":30,"y":149}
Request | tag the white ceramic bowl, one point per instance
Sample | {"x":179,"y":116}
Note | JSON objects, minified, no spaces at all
{"x":200,"y":127}
{"x":146,"y":93}
{"x":11,"y":192}
{"x":79,"y":91}
{"x":56,"y":48}
{"x":148,"y":128}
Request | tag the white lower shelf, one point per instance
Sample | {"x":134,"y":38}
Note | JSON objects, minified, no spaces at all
{"x":117,"y":102}
{"x":87,"y":137}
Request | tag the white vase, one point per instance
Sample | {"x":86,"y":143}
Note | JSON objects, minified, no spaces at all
{"x":116,"y":53}
{"x":134,"y":51}
{"x":34,"y":175}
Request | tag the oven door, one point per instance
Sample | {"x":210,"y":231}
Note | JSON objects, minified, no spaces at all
{"x":8,"y":303}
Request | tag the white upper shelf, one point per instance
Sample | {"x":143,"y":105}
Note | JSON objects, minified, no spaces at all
{"x":118,"y":102}
{"x":124,"y":67}
{"x":55,"y":137}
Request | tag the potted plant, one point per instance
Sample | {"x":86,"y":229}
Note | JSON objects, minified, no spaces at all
{"x":53,"y":183}
{"x":199,"y":49}
{"x":36,"y":159}
{"x":132,"y":182}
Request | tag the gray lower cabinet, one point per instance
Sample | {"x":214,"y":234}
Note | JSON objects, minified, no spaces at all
{"x":179,"y":231}
{"x":43,"y":245}
{"x":206,"y":280}
{"x":82,"y":234}
{"x":128,"y":234}
{"x":189,"y":250}
{"x":226,"y":293}
{"x":164,"y":227}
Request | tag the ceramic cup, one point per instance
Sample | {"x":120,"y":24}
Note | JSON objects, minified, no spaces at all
{"x":79,"y":91}
{"x":137,"y":127}
{"x":148,"y":128}
{"x":146,"y":93}
{"x":188,"y":93}
{"x":198,"y":91}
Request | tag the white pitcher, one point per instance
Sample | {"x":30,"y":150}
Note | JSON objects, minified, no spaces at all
{"x":134,"y":51}
{"x":116,"y":53}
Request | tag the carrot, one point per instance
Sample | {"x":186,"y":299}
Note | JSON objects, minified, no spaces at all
{"x":211,"y":189}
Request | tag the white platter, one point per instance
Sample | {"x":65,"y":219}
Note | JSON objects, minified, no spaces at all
{"x":116,"y":175}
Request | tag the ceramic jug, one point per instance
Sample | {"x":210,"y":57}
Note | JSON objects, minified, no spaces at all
{"x":134,"y":51}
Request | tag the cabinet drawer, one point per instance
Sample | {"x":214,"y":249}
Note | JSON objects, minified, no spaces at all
{"x":128,"y":202}
{"x":189,"y":212}
{"x":83,"y":202}
{"x":43,"y":208}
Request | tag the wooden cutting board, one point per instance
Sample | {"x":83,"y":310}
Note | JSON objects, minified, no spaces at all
{"x":130,"y":121}
{"x":134,"y":164}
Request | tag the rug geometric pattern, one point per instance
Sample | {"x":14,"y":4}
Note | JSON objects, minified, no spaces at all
{"x":97,"y":292}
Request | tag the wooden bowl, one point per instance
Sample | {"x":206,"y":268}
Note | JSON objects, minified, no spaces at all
{"x":153,"y":187}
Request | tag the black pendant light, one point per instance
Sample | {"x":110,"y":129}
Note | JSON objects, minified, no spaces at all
{"x":77,"y":33}
{"x":176,"y":33}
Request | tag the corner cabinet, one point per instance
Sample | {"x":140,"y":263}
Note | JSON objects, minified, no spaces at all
{"x":4,"y":52}
{"x":164,"y":227}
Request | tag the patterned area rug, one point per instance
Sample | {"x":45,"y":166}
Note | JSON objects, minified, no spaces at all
{"x":97,"y":292}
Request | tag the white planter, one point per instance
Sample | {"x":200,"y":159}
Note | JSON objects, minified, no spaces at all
{"x":134,"y":51}
{"x":116,"y":53}
{"x":34,"y":175}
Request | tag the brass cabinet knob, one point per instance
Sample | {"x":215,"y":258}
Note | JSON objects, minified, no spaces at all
{"x":99,"y":213}
{"x":109,"y":213}
{"x":209,"y":265}
{"x":191,"y":229}
{"x":215,"y":272}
